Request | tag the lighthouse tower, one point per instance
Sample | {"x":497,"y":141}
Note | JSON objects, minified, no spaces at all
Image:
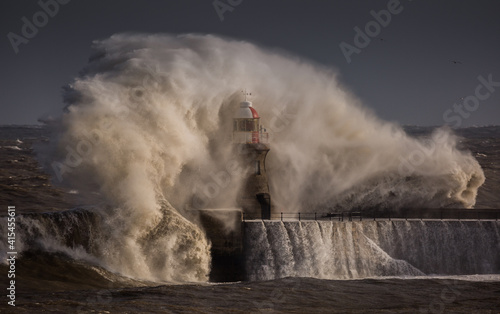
{"x":250,"y":142}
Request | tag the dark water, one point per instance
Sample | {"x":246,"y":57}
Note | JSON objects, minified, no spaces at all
{"x":53,"y":281}
{"x":22,"y":180}
{"x":288,"y":295}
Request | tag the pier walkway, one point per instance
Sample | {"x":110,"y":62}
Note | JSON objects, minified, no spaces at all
{"x":404,"y":214}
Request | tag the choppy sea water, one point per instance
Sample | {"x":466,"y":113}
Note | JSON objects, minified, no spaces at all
{"x":287,"y":295}
{"x":51,"y":281}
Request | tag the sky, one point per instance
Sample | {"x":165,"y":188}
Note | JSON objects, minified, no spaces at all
{"x":413,"y":62}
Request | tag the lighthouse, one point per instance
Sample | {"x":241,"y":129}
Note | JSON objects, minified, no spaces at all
{"x":250,"y":147}
{"x":250,"y":142}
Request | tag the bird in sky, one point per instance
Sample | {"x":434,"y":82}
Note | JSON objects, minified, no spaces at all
{"x":456,"y":62}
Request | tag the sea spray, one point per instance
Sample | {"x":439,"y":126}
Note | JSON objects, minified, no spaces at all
{"x":171,"y":249}
{"x":168,"y":102}
{"x":149,"y":121}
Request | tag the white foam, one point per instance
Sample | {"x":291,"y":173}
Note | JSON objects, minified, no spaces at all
{"x":150,"y":121}
{"x":384,"y":249}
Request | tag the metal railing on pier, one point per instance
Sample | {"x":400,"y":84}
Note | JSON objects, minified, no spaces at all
{"x":406,"y":214}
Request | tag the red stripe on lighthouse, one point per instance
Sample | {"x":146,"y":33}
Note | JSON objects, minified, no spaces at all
{"x":254,"y":113}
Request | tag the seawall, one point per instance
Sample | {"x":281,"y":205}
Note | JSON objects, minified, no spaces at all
{"x":269,"y":249}
{"x":358,"y":249}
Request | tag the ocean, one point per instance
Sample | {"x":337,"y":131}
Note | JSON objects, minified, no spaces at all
{"x":69,"y":259}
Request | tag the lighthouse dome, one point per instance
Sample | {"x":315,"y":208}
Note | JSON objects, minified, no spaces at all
{"x":246,"y":111}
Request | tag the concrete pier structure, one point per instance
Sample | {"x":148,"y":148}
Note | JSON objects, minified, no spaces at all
{"x":224,"y":229}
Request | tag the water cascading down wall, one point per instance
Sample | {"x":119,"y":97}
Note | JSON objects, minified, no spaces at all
{"x":344,"y":250}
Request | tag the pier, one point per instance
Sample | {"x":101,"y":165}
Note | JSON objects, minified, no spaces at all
{"x":404,"y":214}
{"x":229,"y":233}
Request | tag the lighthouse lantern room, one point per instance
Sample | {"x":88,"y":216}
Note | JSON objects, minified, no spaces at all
{"x":246,"y":125}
